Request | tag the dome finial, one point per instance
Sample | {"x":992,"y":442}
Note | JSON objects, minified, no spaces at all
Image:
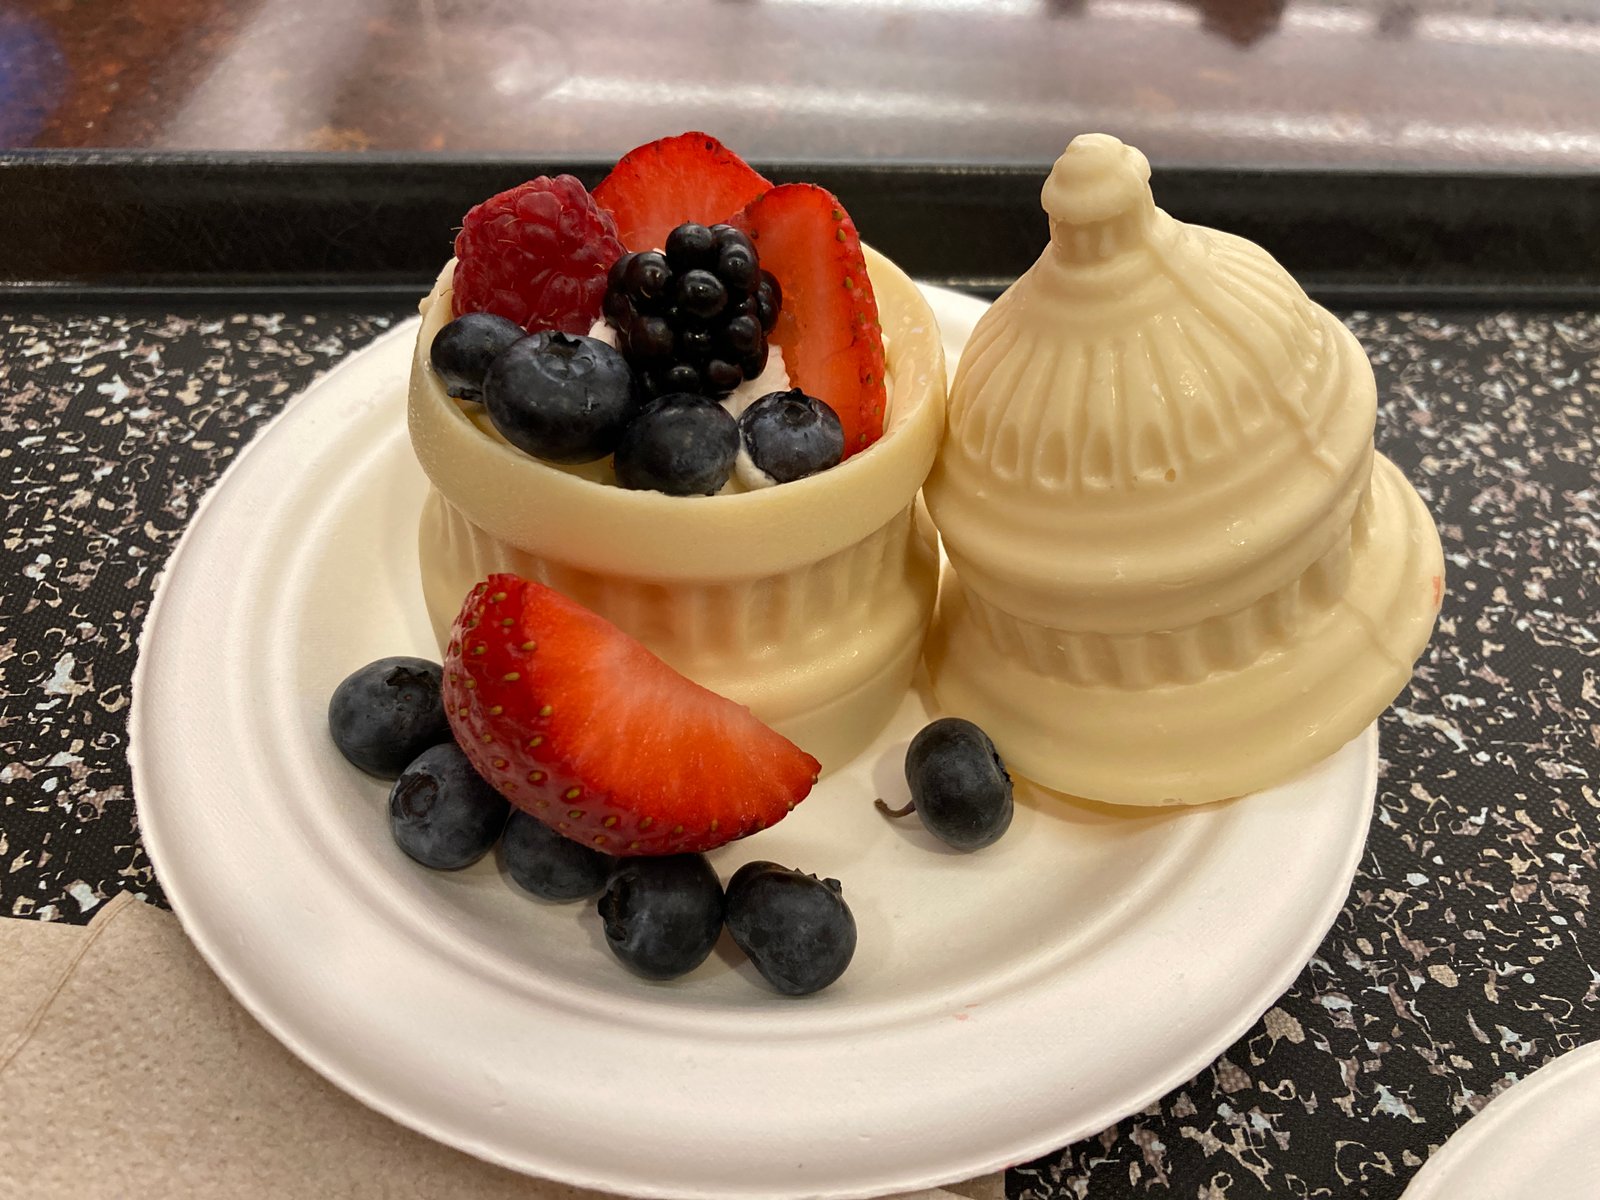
{"x":1097,"y":178}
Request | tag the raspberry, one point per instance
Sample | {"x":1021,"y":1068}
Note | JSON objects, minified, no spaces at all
{"x":537,"y":255}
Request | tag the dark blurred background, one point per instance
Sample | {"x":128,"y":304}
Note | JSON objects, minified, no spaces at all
{"x":1432,"y":83}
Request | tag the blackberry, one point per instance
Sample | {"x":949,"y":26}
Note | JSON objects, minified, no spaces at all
{"x":701,"y":294}
{"x":695,"y":343}
{"x":690,"y":246}
{"x":757,"y":362}
{"x":694,"y":317}
{"x":680,"y":378}
{"x":650,"y":339}
{"x":615,"y":306}
{"x":648,"y":281}
{"x":722,"y":376}
{"x":769,"y":300}
{"x":743,"y":335}
{"x":737,"y":265}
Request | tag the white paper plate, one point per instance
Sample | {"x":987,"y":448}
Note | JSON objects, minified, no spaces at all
{"x":1000,"y":1004}
{"x":1534,"y":1141}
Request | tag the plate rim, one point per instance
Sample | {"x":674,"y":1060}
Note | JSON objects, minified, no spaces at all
{"x":1272,"y":986}
{"x":1438,"y":1173}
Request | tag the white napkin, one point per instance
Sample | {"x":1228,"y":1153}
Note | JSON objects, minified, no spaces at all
{"x":126,"y":1069}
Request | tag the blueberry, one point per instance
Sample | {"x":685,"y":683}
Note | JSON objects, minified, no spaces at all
{"x":441,"y":811}
{"x":462,"y":351}
{"x":700,"y":293}
{"x":680,"y":444}
{"x":552,"y":867}
{"x":384,"y":715}
{"x":662,"y":915}
{"x":795,"y":928}
{"x":959,"y":786}
{"x":790,"y":435}
{"x":690,"y":246}
{"x":560,"y":397}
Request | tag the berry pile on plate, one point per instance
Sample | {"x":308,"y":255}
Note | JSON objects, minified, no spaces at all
{"x":688,"y":319}
{"x":593,"y":746}
{"x":599,"y":770}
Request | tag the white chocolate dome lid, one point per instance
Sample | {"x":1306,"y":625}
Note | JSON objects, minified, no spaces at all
{"x":1148,"y":398}
{"x":1181,"y":573}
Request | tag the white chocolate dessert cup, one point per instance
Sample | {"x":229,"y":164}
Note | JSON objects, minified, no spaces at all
{"x":807,"y":602}
{"x":1181,"y":573}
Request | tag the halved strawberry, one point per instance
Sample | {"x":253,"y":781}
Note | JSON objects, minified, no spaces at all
{"x":658,"y":186}
{"x":577,"y":723}
{"x":828,"y":327}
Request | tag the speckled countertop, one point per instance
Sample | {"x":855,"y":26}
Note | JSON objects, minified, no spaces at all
{"x":1463,"y":959}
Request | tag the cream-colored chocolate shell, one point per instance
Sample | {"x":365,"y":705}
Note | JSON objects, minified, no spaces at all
{"x":1181,"y":571}
{"x":807,"y":602}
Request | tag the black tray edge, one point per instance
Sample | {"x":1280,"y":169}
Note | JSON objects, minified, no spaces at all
{"x":371,"y":225}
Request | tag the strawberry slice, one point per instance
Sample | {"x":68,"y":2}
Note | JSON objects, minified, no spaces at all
{"x":658,"y":186}
{"x":828,"y":327}
{"x":580,"y":725}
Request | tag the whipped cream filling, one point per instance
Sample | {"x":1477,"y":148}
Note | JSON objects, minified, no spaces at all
{"x":773,"y":378}
{"x":747,"y":477}
{"x":603,"y":331}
